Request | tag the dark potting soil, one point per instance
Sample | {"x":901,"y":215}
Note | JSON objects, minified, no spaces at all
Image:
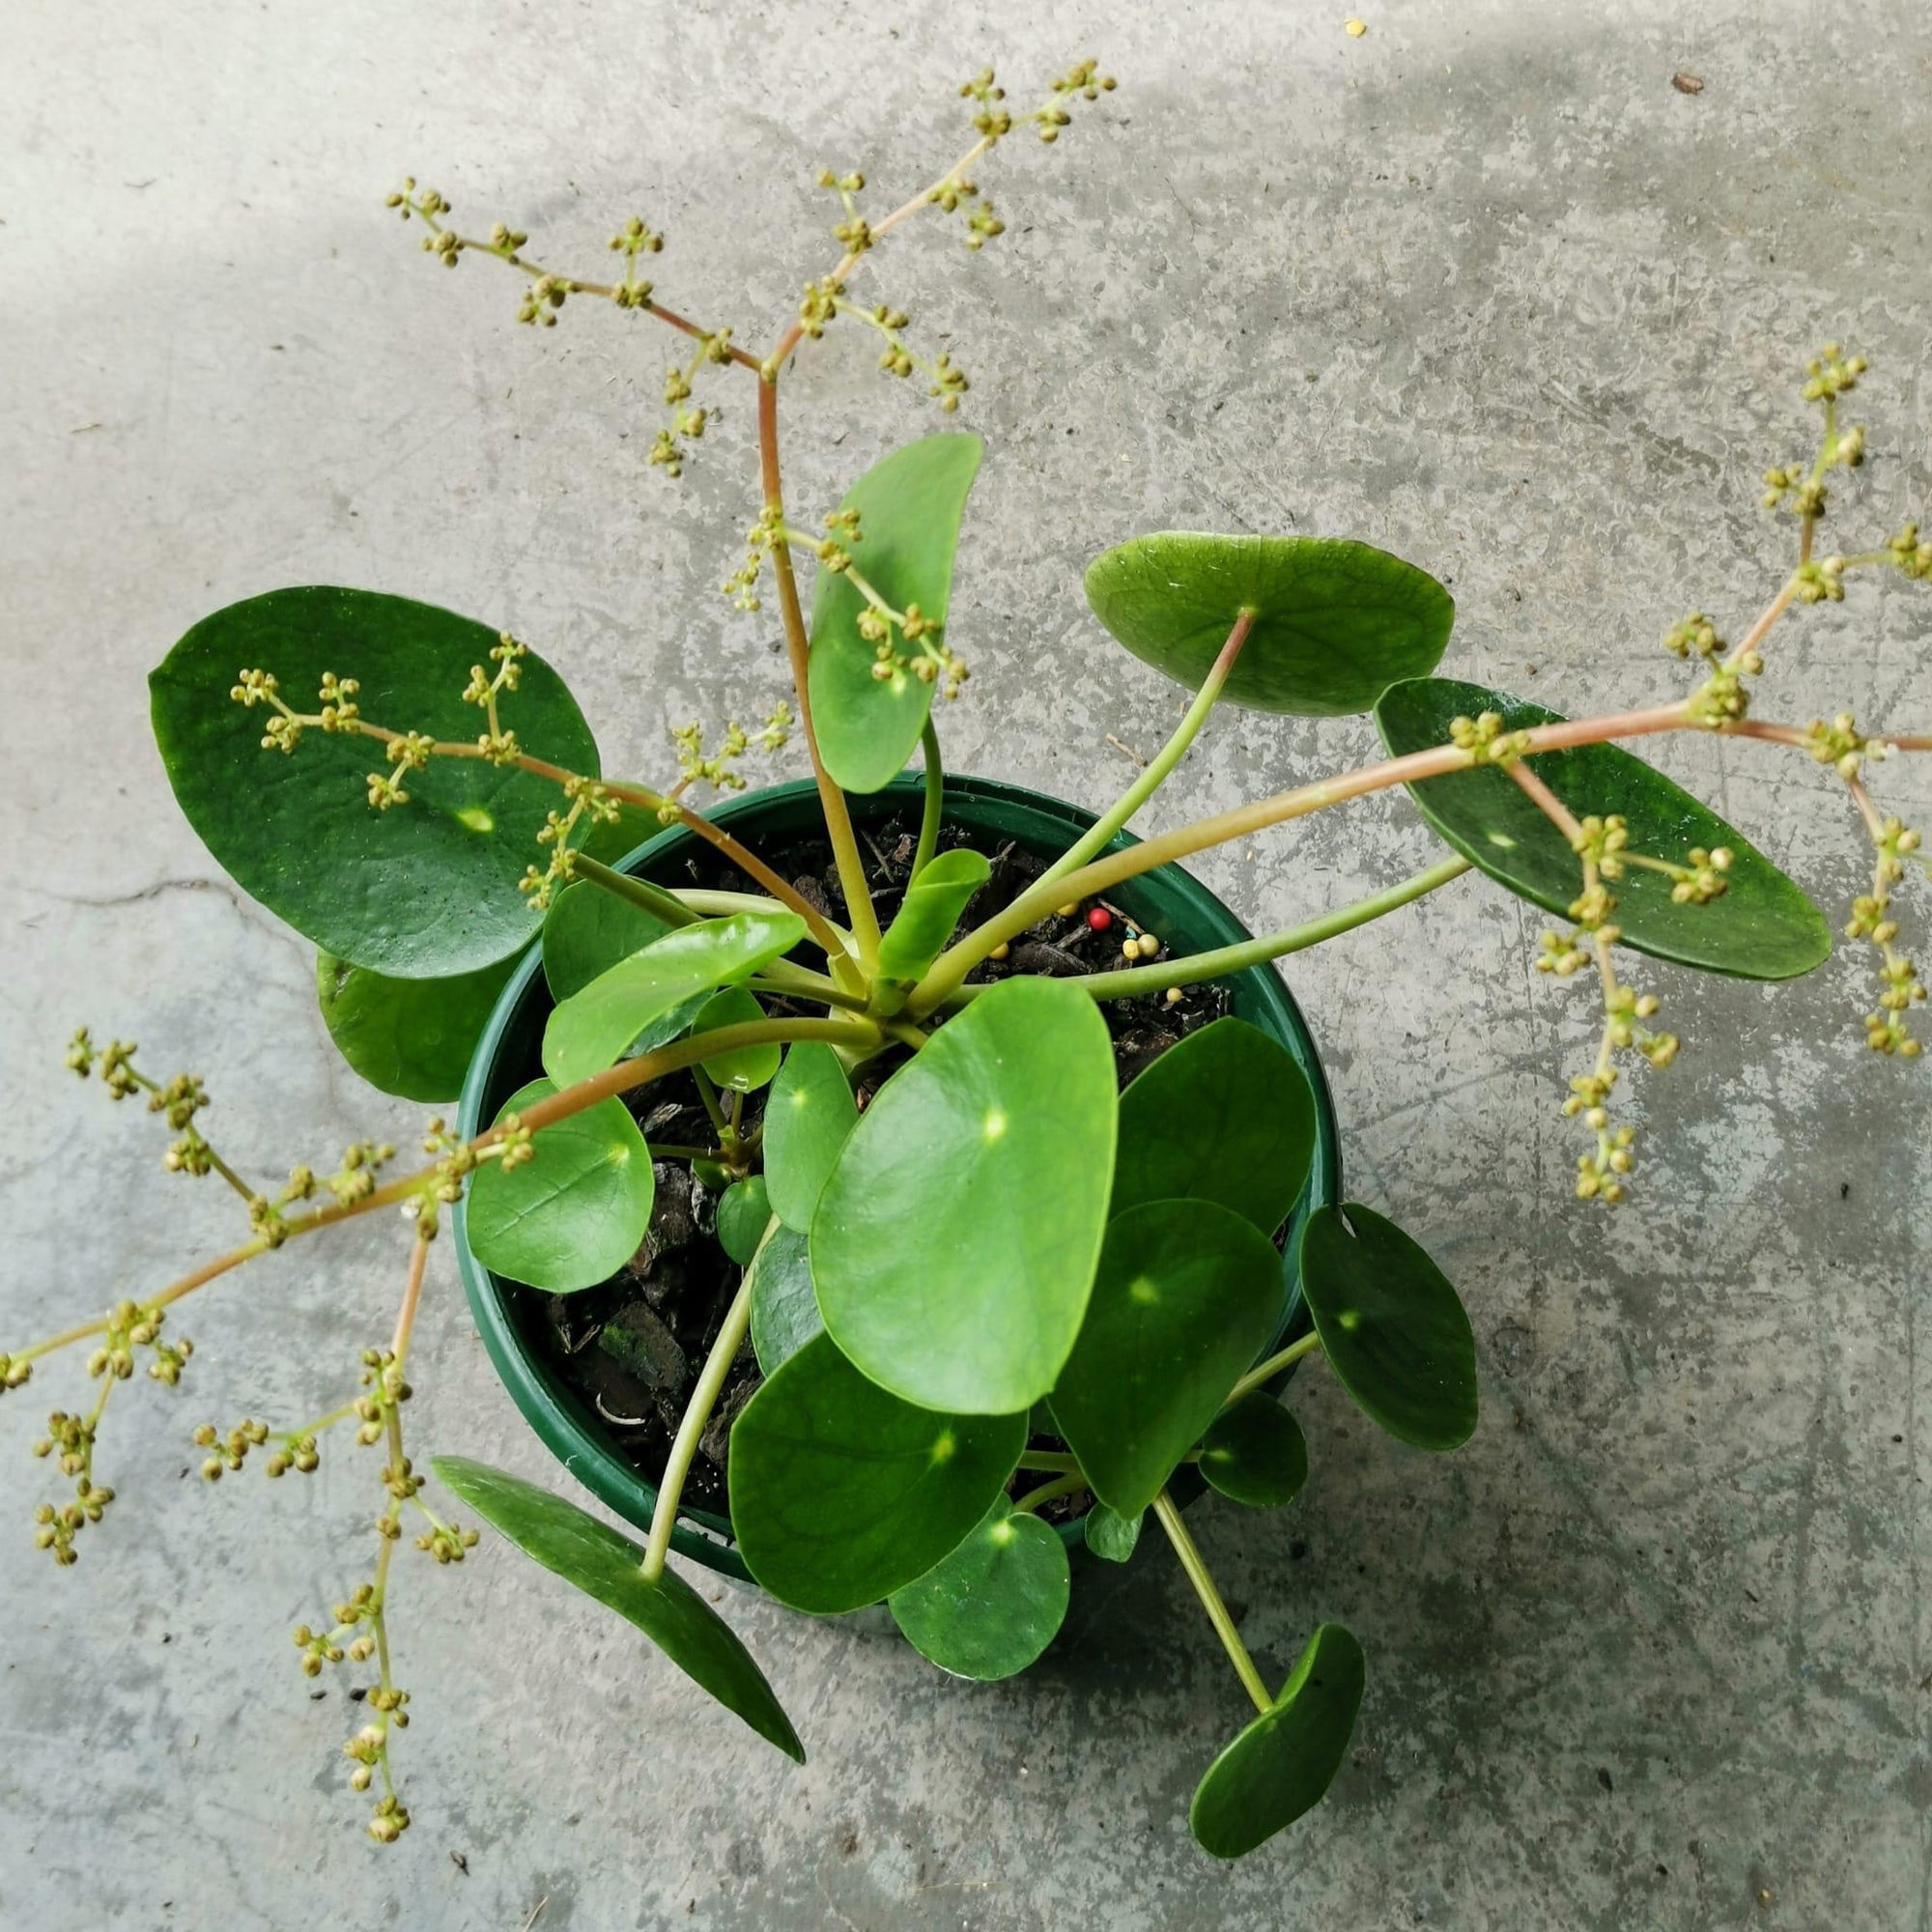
{"x":633,"y":1347}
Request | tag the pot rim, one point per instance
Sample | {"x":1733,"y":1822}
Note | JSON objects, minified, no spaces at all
{"x":571,"y":1433}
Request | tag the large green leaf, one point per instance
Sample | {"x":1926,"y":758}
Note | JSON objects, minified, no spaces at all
{"x":746,"y":1069}
{"x":1256,"y":1453}
{"x":784,"y":1312}
{"x":1280,"y":1766}
{"x":1226,"y":1116}
{"x":411,"y":1038}
{"x":909,"y":507}
{"x":809,"y":1113}
{"x":1186,"y":1296}
{"x":573,"y":1215}
{"x":954,"y":1243}
{"x":423,"y":890}
{"x":840,"y":1493}
{"x":1762,"y":926}
{"x":990,"y":1607}
{"x":587,"y":931}
{"x":1393,"y":1328}
{"x":608,"y":1567}
{"x":592,"y":1029}
{"x":1335,"y":622}
{"x":933,"y":904}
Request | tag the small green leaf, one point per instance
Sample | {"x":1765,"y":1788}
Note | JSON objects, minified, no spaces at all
{"x":909,"y":506}
{"x":808,"y":1114}
{"x":571,"y":1217}
{"x":744,"y":1212}
{"x":1186,"y":1296}
{"x":933,"y":904}
{"x":1391,"y":1326}
{"x":1762,"y":926}
{"x":410,"y":1037}
{"x":1256,"y":1453}
{"x":1109,"y":1535}
{"x":587,"y":931}
{"x":592,"y":1029}
{"x":425,"y":890}
{"x":1283,"y":1763}
{"x":1225,"y":1116}
{"x":1335,"y":622}
{"x":840,"y":1493}
{"x":954,"y":1243}
{"x":989,"y":1609}
{"x":590,"y":1555}
{"x":749,"y":1068}
{"x":784,"y":1310}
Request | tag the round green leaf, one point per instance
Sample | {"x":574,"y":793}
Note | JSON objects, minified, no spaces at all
{"x":571,"y":1217}
{"x":1391,"y":1326}
{"x":808,"y":1114}
{"x":1111,"y":1536}
{"x":990,"y":1607}
{"x":955,"y":1242}
{"x":608,"y":1567}
{"x":1225,"y":1114}
{"x":1335,"y":622}
{"x":743,"y":1215}
{"x":840,"y":1493}
{"x":1256,"y":1453}
{"x":749,"y":1068}
{"x":587,"y":931}
{"x":423,"y":890}
{"x":593,"y":1028}
{"x":784,"y":1310}
{"x":931,"y":909}
{"x":1280,"y":1766}
{"x":909,"y":508}
{"x":1186,"y":1296}
{"x":411,"y":1038}
{"x":1762,"y":926}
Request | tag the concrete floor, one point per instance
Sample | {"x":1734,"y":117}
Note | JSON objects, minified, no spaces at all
{"x":1482,"y":286}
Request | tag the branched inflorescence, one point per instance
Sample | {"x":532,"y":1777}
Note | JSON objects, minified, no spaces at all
{"x":548,"y":292}
{"x":1602,"y":850}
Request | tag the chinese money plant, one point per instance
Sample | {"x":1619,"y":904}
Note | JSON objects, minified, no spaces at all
{"x":1001,"y":1249}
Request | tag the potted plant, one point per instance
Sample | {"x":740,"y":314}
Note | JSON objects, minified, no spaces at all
{"x":900,"y":1184}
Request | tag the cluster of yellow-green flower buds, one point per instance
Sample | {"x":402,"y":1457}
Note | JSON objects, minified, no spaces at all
{"x":298,"y":1452}
{"x":1599,"y":842}
{"x":1695,"y":636}
{"x":446,"y":1542}
{"x":1821,"y":580}
{"x":1485,"y":740}
{"x":1704,"y":880}
{"x":633,"y":239}
{"x":339,"y":709}
{"x":1838,"y":744}
{"x":1832,"y":373}
{"x":231,"y":1451}
{"x":719,"y":768}
{"x":355,"y":1178}
{"x":1910,"y":554}
{"x":542,"y":300}
{"x":266,"y":1216}
{"x":1887,"y":1030}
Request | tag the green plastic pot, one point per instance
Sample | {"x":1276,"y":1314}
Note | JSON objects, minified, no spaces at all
{"x":1178,"y":909}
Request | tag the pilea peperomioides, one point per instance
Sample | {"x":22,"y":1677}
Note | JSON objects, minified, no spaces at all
{"x":980,"y":1281}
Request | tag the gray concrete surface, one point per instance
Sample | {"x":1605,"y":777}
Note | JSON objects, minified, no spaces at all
{"x":1480,"y":286}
